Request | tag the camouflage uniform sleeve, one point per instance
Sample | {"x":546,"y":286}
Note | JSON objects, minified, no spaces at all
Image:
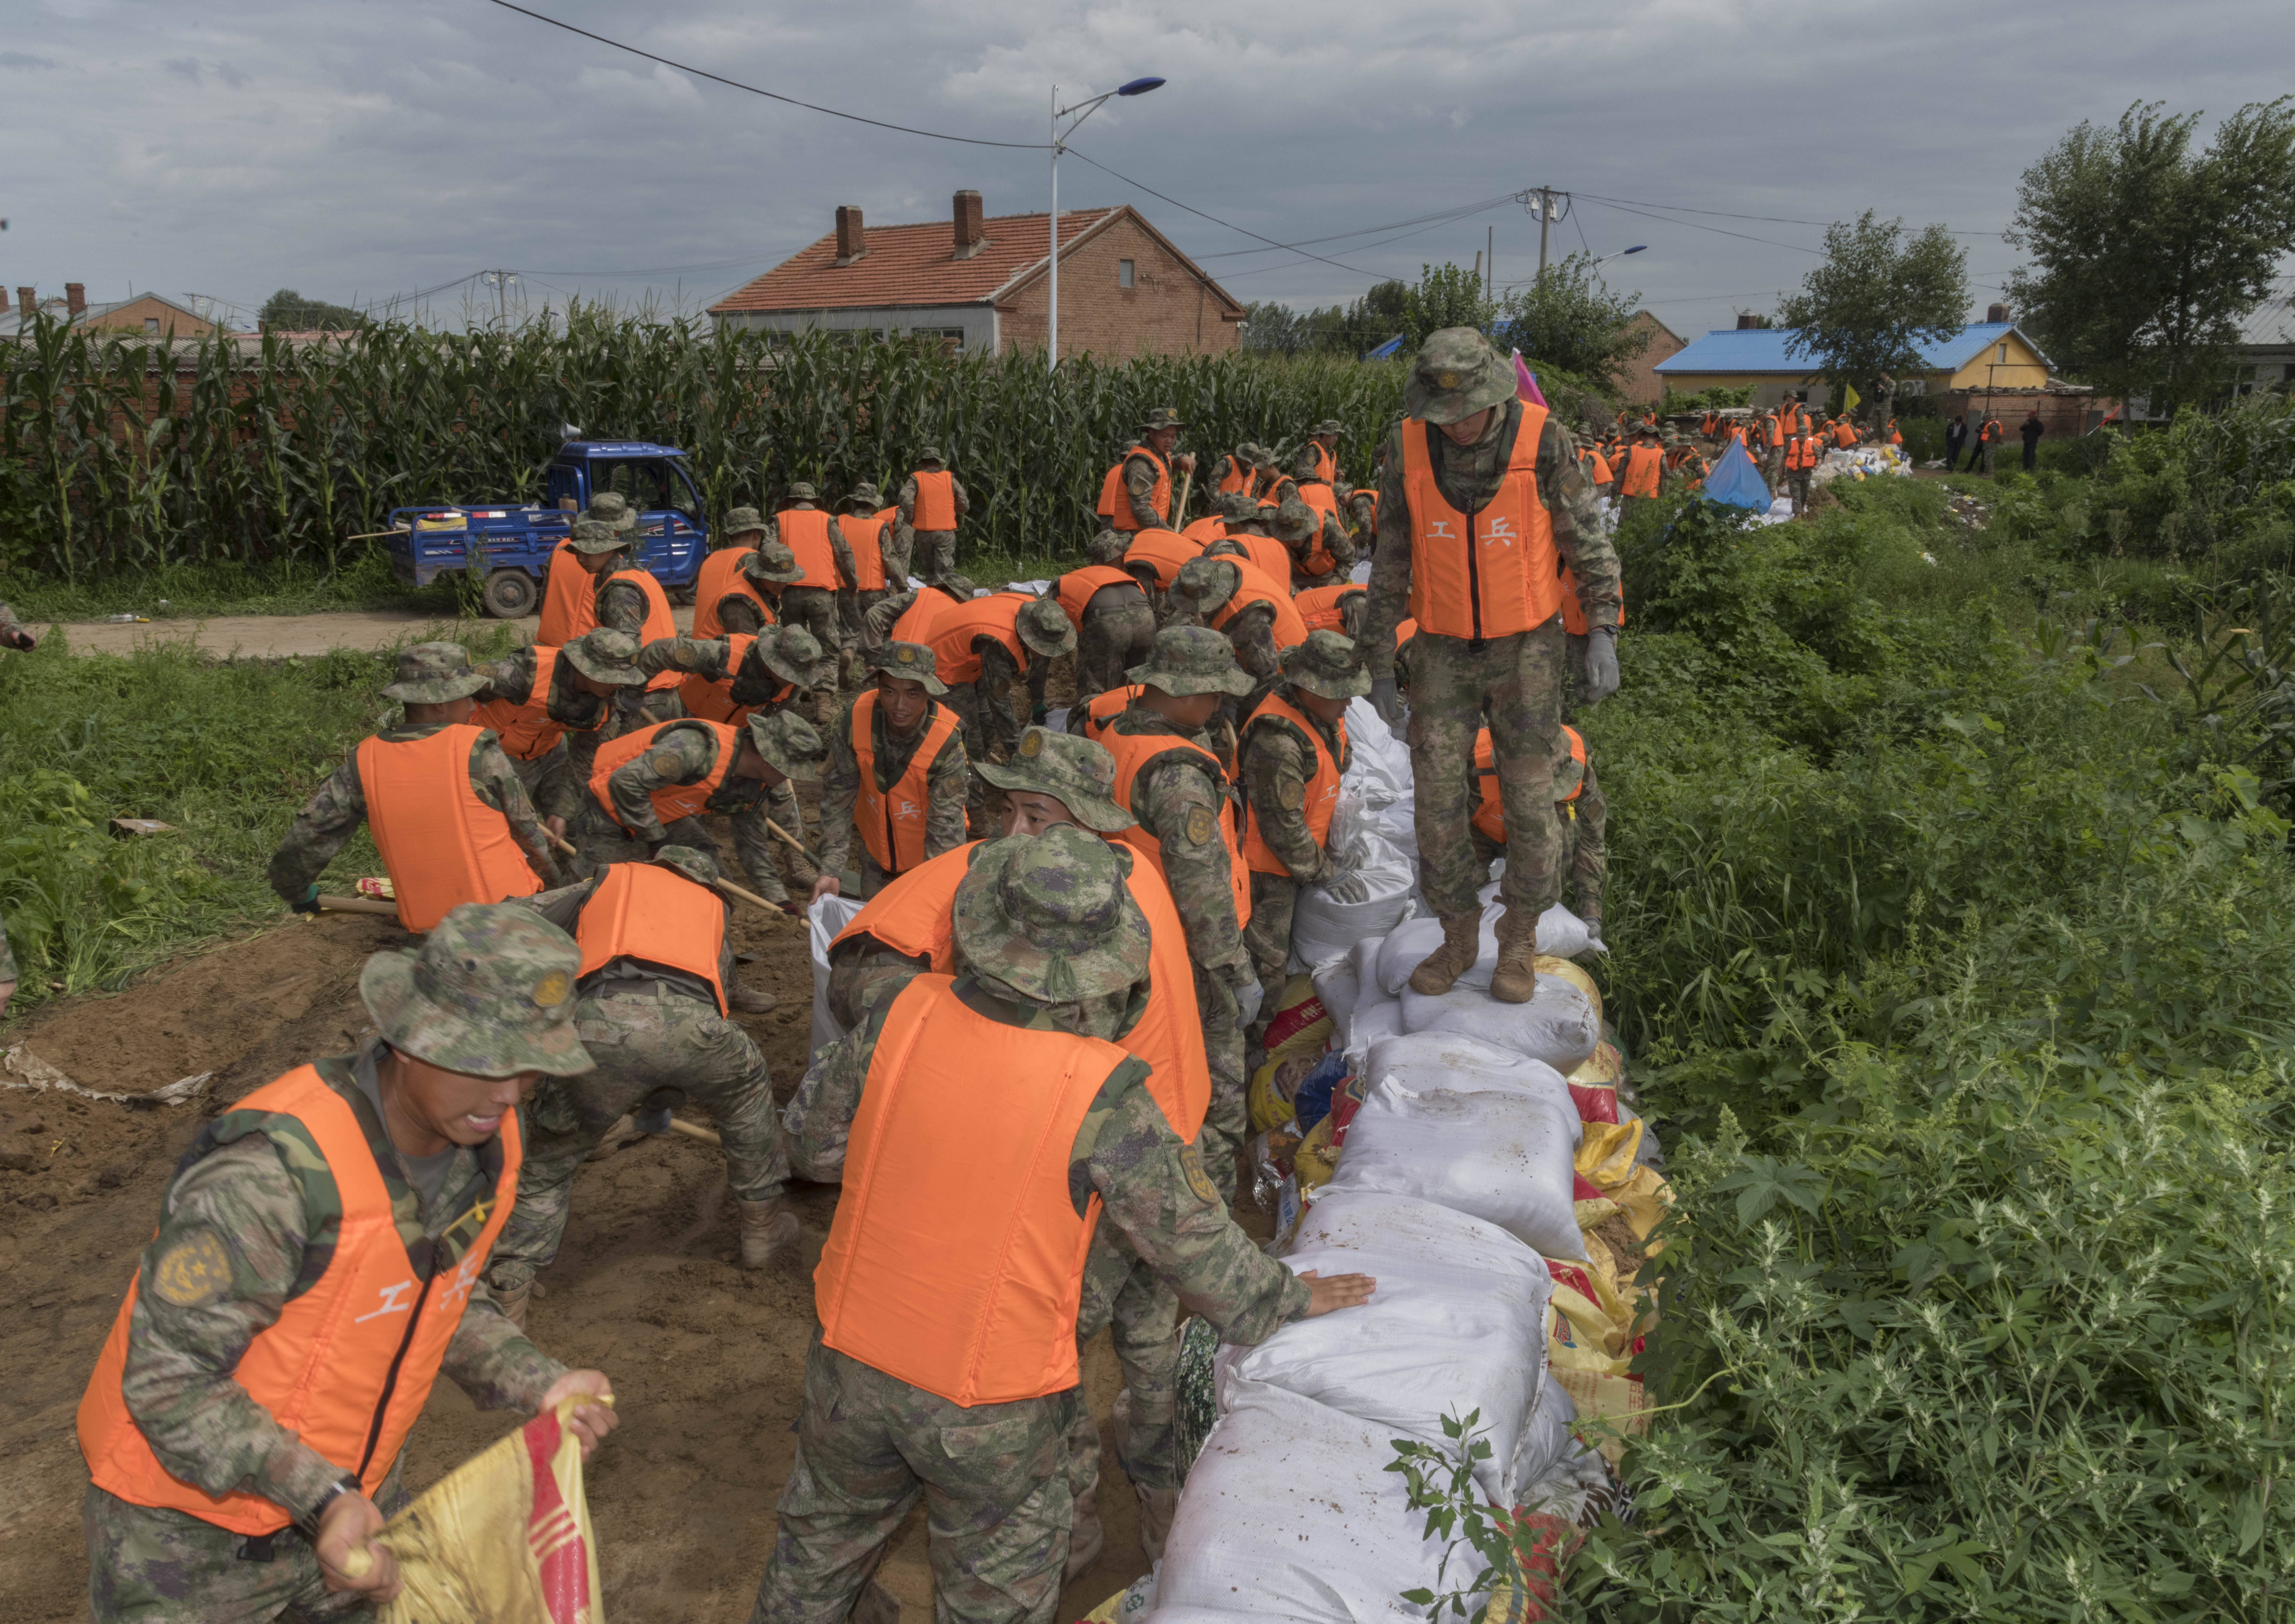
{"x":1303,"y":465}
{"x":848,"y":570}
{"x":1578,"y":533}
{"x":682,"y":756}
{"x":963,"y":502}
{"x":947,"y":781}
{"x":492,"y":1361}
{"x":1177,"y":803}
{"x":495,"y":781}
{"x":883,"y":615}
{"x":907,"y":504}
{"x":9,"y":624}
{"x":1155,"y":1190}
{"x":562,"y":904}
{"x":1590,"y":864}
{"x":1252,"y":631}
{"x":510,"y":681}
{"x":1275,"y":781}
{"x":1388,"y":605}
{"x":819,"y":1121}
{"x":1003,"y":694}
{"x":705,"y":656}
{"x":1140,"y":488}
{"x":840,"y":787}
{"x":622,"y":607}
{"x":229,"y":1251}
{"x":1338,"y":543}
{"x":320,"y":830}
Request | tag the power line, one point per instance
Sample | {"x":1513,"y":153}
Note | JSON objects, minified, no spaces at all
{"x":1693,"y":225}
{"x":1723,"y":213}
{"x":1215,"y":219}
{"x":719,"y":78}
{"x":1459,"y":213}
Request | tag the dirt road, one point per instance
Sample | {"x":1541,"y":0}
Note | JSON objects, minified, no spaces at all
{"x":276,"y":636}
{"x":706,"y":1359}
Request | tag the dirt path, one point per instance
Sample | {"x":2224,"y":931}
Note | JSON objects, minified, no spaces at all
{"x":276,"y":636}
{"x":707,"y":1358}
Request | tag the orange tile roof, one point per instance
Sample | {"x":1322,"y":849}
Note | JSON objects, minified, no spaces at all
{"x":912,"y":264}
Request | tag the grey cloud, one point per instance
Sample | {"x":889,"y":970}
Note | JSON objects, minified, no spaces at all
{"x":24,"y":63}
{"x":183,"y":68}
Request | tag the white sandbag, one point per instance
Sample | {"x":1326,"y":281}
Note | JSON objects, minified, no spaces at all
{"x":1290,"y":1513}
{"x":1340,"y":988}
{"x":1323,"y":927}
{"x":1473,"y":1128}
{"x":1374,"y":1018}
{"x":1557,"y":1025}
{"x":1560,"y":933}
{"x":1457,"y":1323}
{"x":826,"y":918}
{"x":1378,"y":763}
{"x":1056,"y":718}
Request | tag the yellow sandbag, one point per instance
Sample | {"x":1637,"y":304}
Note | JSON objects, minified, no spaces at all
{"x":1645,"y":1199}
{"x":1601,"y":1069}
{"x":504,"y":1538}
{"x":1606,"y":1152}
{"x":1617,"y":1400}
{"x":1315,"y":1162}
{"x":1546,"y":963}
{"x":1268,"y":1108}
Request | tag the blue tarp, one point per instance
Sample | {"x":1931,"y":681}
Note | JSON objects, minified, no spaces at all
{"x":1736,"y":481}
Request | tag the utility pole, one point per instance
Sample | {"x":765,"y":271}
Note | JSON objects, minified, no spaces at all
{"x":500,"y":282}
{"x":1544,"y":218}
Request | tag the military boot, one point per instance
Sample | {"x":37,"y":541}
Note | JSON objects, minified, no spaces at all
{"x":750,"y":1000}
{"x":1157,"y":1506}
{"x":769,"y":1231}
{"x":1515,"y":979}
{"x":1462,"y":945}
{"x":1086,"y":1541}
{"x":512,"y":1302}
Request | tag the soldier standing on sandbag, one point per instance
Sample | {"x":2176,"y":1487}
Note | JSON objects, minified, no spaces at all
{"x":1168,"y":777}
{"x":1294,"y":753}
{"x":1581,"y":823}
{"x":895,"y":775}
{"x":1114,"y":623}
{"x":338,"y":1219}
{"x":1481,"y":507}
{"x":980,"y":1118}
{"x":656,"y":980}
{"x":536,"y":698}
{"x":932,"y":505}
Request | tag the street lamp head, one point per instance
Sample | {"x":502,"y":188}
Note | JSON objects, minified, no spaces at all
{"x":1637,"y":248}
{"x":1138,"y":87}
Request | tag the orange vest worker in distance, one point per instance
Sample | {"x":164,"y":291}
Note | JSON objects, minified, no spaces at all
{"x":1644,"y":464}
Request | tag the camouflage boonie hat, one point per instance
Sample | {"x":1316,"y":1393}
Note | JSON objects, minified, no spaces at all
{"x":700,"y":866}
{"x":594,"y":537}
{"x":1238,"y":506}
{"x":1207,"y":583}
{"x":930,"y":453}
{"x":1109,"y":547}
{"x":490,"y":993}
{"x":1045,"y":629}
{"x":1329,"y":425}
{"x":1049,"y":916}
{"x":956,"y":586}
{"x":1074,"y":772}
{"x":772,"y":565}
{"x":612,"y":507}
{"x":433,"y":673}
{"x":1192,"y":660}
{"x":741,"y":521}
{"x":794,"y":655}
{"x":1162,"y":417}
{"x":1225,"y":547}
{"x":606,"y":656}
{"x":800,"y":491}
{"x":909,"y":662}
{"x":1456,"y":374}
{"x":1326,"y":665}
{"x":1295,"y":521}
{"x":862,"y":495}
{"x":784,"y":739}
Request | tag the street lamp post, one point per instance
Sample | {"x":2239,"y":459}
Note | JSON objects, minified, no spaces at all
{"x":1082,"y":110}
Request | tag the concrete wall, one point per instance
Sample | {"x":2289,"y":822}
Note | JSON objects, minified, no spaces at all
{"x":1167,"y":311}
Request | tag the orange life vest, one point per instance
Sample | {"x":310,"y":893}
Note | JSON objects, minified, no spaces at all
{"x":441,"y":844}
{"x":1272,"y":558}
{"x":1078,"y":587}
{"x":1490,"y":806}
{"x":954,"y":658}
{"x":865,"y":536}
{"x":1597,"y":470}
{"x":721,"y":578}
{"x":805,"y":532}
{"x":640,"y":911}
{"x":1326,"y":466}
{"x":914,"y":916}
{"x":658,"y":621}
{"x":713,"y":701}
{"x":1357,"y":495}
{"x":569,"y":600}
{"x":1322,"y":785}
{"x":527,"y":731}
{"x":1573,"y":613}
{"x":1322,"y":608}
{"x":1106,"y":708}
{"x":1164,"y":552}
{"x":1256,"y":587}
{"x":915,"y":624}
{"x":891,"y":823}
{"x":936,"y":507}
{"x":955,"y":1261}
{"x":1234,"y":475}
{"x":1135,"y":752}
{"x":672,"y":800}
{"x":348,"y":1365}
{"x":1644,"y":464}
{"x":1800,"y":451}
{"x":1493,"y":575}
{"x":1325,"y":501}
{"x":1894,"y":437}
{"x":1844,"y":433}
{"x":1206,"y":530}
{"x":1115,"y":502}
{"x":1404,"y":631}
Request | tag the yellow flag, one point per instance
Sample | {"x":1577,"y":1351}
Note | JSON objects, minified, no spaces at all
{"x":1848,"y":397}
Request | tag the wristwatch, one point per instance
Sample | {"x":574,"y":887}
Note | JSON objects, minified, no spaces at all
{"x":308,"y":1521}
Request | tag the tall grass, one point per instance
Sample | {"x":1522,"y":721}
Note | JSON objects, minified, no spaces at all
{"x":116,"y":454}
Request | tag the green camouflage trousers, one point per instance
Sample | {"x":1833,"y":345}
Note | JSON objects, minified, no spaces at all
{"x":1112,"y":642}
{"x":1229,"y":1121}
{"x":1514,"y":687}
{"x":1267,"y":937}
{"x":644,"y":1042}
{"x":1123,"y":1292}
{"x":1580,"y":855}
{"x":814,"y":608}
{"x":934,"y":553}
{"x":993,"y":1478}
{"x":167,"y":1567}
{"x":852,"y":607}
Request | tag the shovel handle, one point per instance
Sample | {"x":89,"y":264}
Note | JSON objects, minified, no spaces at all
{"x":355,"y":904}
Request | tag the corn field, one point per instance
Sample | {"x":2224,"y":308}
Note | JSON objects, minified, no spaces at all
{"x":283,"y":452}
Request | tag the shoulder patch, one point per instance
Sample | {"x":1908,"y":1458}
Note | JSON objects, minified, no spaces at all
{"x":1198,"y":1179}
{"x":195,"y":1270}
{"x":1293,"y":796}
{"x":1201,"y":827}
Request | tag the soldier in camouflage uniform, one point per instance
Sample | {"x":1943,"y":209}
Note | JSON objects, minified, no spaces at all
{"x":1462,"y":390}
{"x":884,"y":620}
{"x":1051,"y":944}
{"x":437,"y":685}
{"x":894,"y":540}
{"x":12,"y":636}
{"x":1299,"y":527}
{"x":1318,"y":455}
{"x":629,"y":829}
{"x":656,"y":1037}
{"x":782,"y":667}
{"x":1319,"y":677}
{"x":814,"y":608}
{"x":907,"y":686}
{"x":593,"y":670}
{"x":767,"y":568}
{"x":997,"y":704}
{"x":1178,"y":801}
{"x":1116,"y":628}
{"x":604,"y":552}
{"x":939,"y":545}
{"x":1160,"y":432}
{"x":250,"y":1222}
{"x":1202,"y":588}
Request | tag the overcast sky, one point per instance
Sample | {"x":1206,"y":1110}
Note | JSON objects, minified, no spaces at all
{"x":356,"y":149}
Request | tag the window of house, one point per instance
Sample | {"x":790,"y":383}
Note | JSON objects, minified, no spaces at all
{"x":1123,"y":274}
{"x":151,"y":323}
{"x":2004,"y":354}
{"x":1914,"y":386}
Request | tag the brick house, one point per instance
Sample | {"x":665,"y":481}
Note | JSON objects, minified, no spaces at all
{"x":145,"y":313}
{"x":1641,"y":381}
{"x":979,"y":283}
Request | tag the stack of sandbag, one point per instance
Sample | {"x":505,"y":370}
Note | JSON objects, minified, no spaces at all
{"x":1378,"y":776}
{"x":823,"y":920}
{"x":1323,"y":928}
{"x":1560,"y":1025}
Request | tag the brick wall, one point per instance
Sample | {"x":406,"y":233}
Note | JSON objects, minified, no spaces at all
{"x":131,"y":316}
{"x":1166,"y":311}
{"x":1642,"y":382}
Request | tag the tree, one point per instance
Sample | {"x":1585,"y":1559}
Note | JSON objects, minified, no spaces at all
{"x":1879,"y":295}
{"x":1271,"y":328}
{"x":2145,"y":255}
{"x":1445,"y":297}
{"x":288,"y":311}
{"x":1569,"y":318}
